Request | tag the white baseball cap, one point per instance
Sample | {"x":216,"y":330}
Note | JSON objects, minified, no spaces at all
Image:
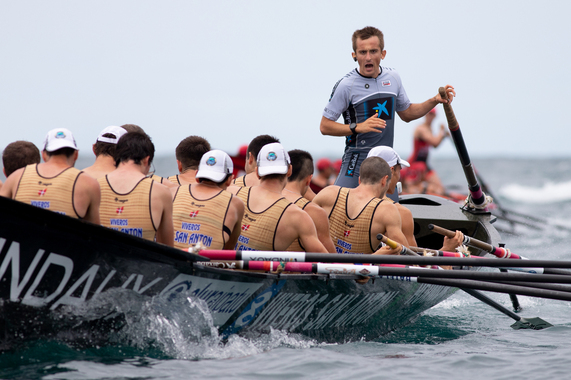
{"x":388,"y":154}
{"x":215,"y":165}
{"x":273,"y":159}
{"x":116,"y":131}
{"x":59,"y":138}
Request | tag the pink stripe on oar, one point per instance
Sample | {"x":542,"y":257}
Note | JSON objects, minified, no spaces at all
{"x":477,"y":194}
{"x":504,"y":253}
{"x":218,"y":254}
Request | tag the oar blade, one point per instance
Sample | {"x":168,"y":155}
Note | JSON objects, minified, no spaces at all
{"x":531,"y":323}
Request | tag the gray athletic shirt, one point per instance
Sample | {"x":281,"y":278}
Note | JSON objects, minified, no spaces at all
{"x":357,"y":98}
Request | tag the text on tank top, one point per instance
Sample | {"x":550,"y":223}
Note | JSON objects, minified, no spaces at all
{"x":352,"y":235}
{"x":259,"y":228}
{"x":296,"y":246}
{"x":129,"y":213}
{"x":200,"y":220}
{"x":51,"y":193}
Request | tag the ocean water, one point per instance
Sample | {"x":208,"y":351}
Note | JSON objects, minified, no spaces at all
{"x":459,"y":338}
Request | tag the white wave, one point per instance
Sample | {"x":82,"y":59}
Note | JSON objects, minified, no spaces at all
{"x":550,"y":192}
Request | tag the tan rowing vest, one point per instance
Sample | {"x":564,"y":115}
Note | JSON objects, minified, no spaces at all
{"x":240,"y":181}
{"x":129,"y":213}
{"x":352,"y":235}
{"x":199,"y":220}
{"x":296,"y":246}
{"x":259,"y":229}
{"x":157,"y":178}
{"x":174,"y":179}
{"x":54,"y":194}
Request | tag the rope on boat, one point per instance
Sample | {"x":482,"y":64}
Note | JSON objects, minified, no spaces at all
{"x":470,"y":204}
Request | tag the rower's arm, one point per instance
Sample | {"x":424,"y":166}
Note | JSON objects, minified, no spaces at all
{"x":235,"y":222}
{"x":418,"y":110}
{"x":307,"y":233}
{"x":8,"y":190}
{"x":321,"y":222}
{"x":165,"y":229}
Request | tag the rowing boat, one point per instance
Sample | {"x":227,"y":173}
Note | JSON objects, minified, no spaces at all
{"x":54,"y":268}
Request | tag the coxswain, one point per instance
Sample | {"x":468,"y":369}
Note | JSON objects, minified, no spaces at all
{"x":368,"y":98}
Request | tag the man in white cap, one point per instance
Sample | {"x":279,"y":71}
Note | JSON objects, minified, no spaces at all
{"x":271,"y":222}
{"x":55,"y":184}
{"x":396,"y":163}
{"x":104,"y":150}
{"x":357,"y":215}
{"x":205,"y":212}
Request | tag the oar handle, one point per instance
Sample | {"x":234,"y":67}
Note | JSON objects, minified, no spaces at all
{"x":452,"y":122}
{"x":467,"y":240}
{"x":393,"y":244}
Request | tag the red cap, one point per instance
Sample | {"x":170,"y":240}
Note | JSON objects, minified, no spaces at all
{"x":337,"y":165}
{"x":243,"y":151}
{"x":323,"y":163}
{"x":433,"y":111}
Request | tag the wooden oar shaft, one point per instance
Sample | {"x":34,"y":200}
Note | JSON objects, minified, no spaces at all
{"x":376,"y":259}
{"x":476,"y":193}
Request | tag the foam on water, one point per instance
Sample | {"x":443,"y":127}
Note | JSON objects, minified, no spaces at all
{"x":550,"y":192}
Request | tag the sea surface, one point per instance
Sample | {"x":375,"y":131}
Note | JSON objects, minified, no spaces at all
{"x":461,"y":338}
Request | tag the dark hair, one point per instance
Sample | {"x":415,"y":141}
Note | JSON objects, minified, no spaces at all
{"x":281,"y":177}
{"x":373,"y":169}
{"x":206,"y":180}
{"x":366,"y":33}
{"x":301,"y":165}
{"x":190,"y":150}
{"x":68,"y":152}
{"x":105,"y":148}
{"x":257,"y":143}
{"x":132,"y":128}
{"x":134,"y":146}
{"x":19,"y":154}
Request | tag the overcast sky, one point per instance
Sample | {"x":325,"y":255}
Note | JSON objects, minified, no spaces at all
{"x":231,"y":70}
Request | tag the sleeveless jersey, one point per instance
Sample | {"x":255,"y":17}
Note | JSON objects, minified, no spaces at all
{"x":199,"y":220}
{"x":240,"y":181}
{"x":352,"y":235}
{"x":129,"y":213}
{"x":174,"y":179}
{"x":420,"y":152}
{"x":157,"y":178}
{"x":259,"y":228}
{"x":51,"y":193}
{"x":296,"y":246}
{"x":357,"y":98}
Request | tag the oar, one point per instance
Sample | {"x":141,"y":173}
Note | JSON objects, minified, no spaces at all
{"x":478,"y":197}
{"x":499,"y":252}
{"x":376,"y":259}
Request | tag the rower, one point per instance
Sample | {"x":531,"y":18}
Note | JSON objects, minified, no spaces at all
{"x":297,"y":184}
{"x":18,"y":154}
{"x":55,"y":184}
{"x":357,"y":215}
{"x":205,"y":212}
{"x":271,"y":222}
{"x":132,"y":202}
{"x":104,"y":150}
{"x":188,"y":154}
{"x":251,"y":178}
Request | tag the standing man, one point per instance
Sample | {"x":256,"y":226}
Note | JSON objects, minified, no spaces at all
{"x":55,"y":184}
{"x":131,"y":202}
{"x":368,"y":98}
{"x":205,"y":212}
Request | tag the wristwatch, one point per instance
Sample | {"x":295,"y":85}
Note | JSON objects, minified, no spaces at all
{"x":352,"y":127}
